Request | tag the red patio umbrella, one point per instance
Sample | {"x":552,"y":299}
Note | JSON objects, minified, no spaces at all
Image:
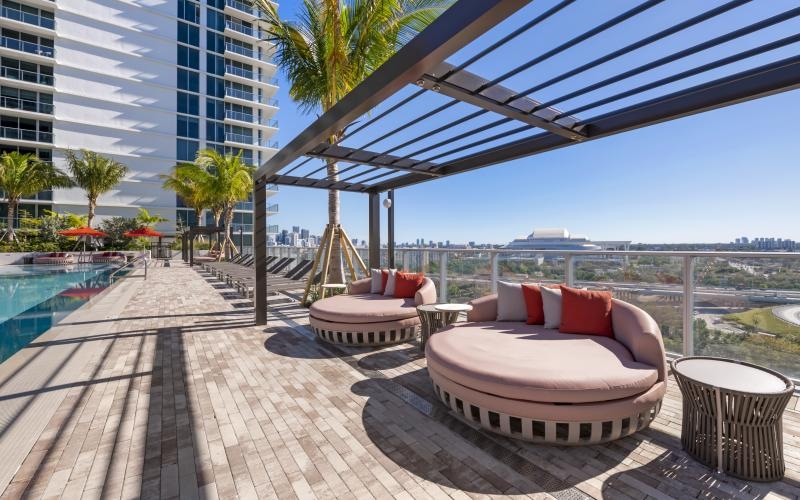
{"x":83,"y":233}
{"x":144,"y":231}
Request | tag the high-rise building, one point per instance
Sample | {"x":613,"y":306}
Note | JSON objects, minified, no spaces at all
{"x":147,"y":84}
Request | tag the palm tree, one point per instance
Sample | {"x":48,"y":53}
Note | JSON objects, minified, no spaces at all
{"x":145,"y":218}
{"x":228,"y":181}
{"x":216,"y":181}
{"x":183,"y":180}
{"x":22,"y":175}
{"x":332,"y":47}
{"x":95,"y":174}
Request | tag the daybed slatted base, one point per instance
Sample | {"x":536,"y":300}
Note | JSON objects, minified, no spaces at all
{"x":548,"y":432}
{"x":388,"y":337}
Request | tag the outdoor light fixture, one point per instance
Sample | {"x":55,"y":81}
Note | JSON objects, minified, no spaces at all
{"x":387,"y":203}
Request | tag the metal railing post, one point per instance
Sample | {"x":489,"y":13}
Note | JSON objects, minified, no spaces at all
{"x":493,"y":258}
{"x":569,"y":270}
{"x":688,"y":305}
{"x":443,"y":277}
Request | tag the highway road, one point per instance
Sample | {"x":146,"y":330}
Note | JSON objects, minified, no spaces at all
{"x":790,"y":313}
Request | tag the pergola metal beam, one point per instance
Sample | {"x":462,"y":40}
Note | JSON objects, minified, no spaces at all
{"x":763,"y":81}
{"x":373,"y":159}
{"x":465,"y":21}
{"x":470,"y":88}
{"x":290,"y":180}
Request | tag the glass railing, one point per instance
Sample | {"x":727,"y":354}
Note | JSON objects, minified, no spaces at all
{"x":238,"y":49}
{"x":272,"y":208}
{"x":241,"y":28}
{"x":740,"y":305}
{"x":26,"y":105}
{"x":28,"y":18}
{"x":25,"y":134}
{"x":271,"y":187}
{"x":244,"y":7}
{"x":240,"y":138}
{"x":249,"y":118}
{"x":29,"y":47}
{"x":250,"y":96}
{"x":240,"y":94}
{"x":26,"y":76}
{"x":244,"y":73}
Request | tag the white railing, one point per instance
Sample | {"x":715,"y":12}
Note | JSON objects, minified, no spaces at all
{"x":29,"y":47}
{"x":26,"y":76}
{"x":28,"y":18}
{"x":710,"y":303}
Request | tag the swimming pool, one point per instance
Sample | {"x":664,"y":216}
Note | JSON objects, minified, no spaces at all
{"x":34,"y":298}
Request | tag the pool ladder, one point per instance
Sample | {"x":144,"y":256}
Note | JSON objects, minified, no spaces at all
{"x":130,"y":264}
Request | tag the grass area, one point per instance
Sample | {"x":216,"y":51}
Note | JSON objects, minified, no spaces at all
{"x":763,"y":320}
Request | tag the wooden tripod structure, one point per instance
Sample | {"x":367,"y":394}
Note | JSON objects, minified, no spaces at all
{"x":323,"y":255}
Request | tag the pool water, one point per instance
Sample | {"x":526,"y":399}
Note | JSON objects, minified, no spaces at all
{"x":34,"y":298}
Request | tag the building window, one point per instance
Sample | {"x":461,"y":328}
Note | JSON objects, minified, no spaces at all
{"x":215,"y":109}
{"x":189,"y":11}
{"x":215,"y":42}
{"x":215,"y":131}
{"x":188,"y":104}
{"x":215,"y":64}
{"x":215,"y":87}
{"x":215,"y":20}
{"x":188,"y":127}
{"x":188,"y":34}
{"x":188,"y":57}
{"x":188,"y":80}
{"x":187,"y":150}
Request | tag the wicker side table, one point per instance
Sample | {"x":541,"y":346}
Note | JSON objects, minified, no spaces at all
{"x":434,"y":317}
{"x":746,"y":403}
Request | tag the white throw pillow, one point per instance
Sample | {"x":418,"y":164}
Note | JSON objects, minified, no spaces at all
{"x":377,"y":281}
{"x":551,"y":303}
{"x":389,"y":292}
{"x":511,"y":302}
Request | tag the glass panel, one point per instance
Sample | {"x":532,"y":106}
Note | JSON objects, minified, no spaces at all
{"x":749,"y":309}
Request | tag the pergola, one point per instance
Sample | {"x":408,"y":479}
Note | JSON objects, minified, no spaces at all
{"x":469,"y":121}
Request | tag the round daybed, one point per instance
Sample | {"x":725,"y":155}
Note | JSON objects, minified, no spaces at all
{"x":55,"y":258}
{"x":368,"y":319}
{"x":541,"y":385}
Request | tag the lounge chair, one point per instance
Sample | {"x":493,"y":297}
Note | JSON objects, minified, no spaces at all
{"x":364,"y":318}
{"x":109,"y":258}
{"x":55,"y":258}
{"x":291,"y":280}
{"x":541,"y":385}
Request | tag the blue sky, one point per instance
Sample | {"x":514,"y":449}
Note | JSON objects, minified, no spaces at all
{"x":710,"y":177}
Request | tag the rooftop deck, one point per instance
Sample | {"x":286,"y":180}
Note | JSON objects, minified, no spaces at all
{"x":180,"y":395}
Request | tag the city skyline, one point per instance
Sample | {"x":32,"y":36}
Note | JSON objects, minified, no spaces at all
{"x":709,"y":177}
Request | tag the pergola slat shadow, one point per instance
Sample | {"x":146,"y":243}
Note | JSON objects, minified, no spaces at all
{"x":444,"y":140}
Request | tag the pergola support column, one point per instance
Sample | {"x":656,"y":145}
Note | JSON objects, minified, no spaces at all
{"x":260,"y":251}
{"x":390,"y":230}
{"x":374,"y":230}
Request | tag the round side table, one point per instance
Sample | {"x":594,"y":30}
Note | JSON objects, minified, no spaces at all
{"x":733,"y":415}
{"x":434,"y":317}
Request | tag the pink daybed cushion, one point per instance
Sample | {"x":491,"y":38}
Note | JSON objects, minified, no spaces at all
{"x":531,"y":363}
{"x":363,"y":308}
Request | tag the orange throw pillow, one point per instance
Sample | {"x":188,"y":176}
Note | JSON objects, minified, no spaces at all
{"x":586,"y":311}
{"x":407,"y":284}
{"x":533,"y":303}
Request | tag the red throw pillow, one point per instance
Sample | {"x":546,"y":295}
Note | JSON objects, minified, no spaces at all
{"x":384,"y":279}
{"x":407,"y":284}
{"x":533,"y":303}
{"x":586,"y":311}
